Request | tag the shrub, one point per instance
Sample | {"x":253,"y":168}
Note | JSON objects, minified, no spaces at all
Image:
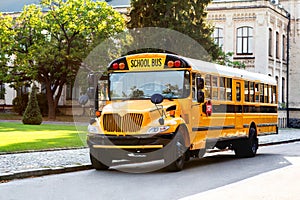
{"x":32,"y":114}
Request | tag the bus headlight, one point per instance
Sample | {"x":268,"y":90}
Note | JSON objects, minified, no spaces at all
{"x":93,"y":129}
{"x":157,"y":129}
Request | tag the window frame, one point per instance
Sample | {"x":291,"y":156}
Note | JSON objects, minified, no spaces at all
{"x":244,"y":40}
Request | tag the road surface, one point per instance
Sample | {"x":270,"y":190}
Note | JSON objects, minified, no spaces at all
{"x":274,"y":171}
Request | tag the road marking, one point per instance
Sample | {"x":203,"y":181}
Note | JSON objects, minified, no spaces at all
{"x":280,"y":184}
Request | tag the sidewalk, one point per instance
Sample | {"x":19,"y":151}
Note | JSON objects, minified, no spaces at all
{"x":23,"y":165}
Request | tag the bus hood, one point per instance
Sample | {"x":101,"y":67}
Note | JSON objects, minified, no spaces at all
{"x":134,"y":106}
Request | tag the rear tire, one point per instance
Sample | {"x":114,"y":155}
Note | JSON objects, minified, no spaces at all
{"x":246,"y":148}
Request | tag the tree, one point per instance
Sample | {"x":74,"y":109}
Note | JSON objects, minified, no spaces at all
{"x":49,"y":46}
{"x":226,"y":59}
{"x":6,"y":35}
{"x":32,"y":114}
{"x":185,"y":16}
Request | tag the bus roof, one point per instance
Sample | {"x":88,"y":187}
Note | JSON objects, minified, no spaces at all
{"x":216,"y":69}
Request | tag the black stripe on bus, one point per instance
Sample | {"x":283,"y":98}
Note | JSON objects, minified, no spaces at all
{"x":261,"y":125}
{"x":228,"y":108}
{"x":206,"y":128}
{"x":266,"y":125}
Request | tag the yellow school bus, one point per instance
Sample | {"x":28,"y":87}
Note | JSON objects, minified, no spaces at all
{"x":164,"y":106}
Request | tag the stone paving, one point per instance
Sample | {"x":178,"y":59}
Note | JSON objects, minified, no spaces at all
{"x":14,"y":163}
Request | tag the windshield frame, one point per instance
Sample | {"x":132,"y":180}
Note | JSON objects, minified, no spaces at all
{"x":186,"y":85}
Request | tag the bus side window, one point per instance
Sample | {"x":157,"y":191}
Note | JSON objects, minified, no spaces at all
{"x":246,"y":91}
{"x":208,"y":86}
{"x":256,"y":92}
{"x":261,"y":94}
{"x":238,"y":91}
{"x":215,"y":87}
{"x":222,"y":89}
{"x":274,"y":94}
{"x":270,"y":94}
{"x":266,"y":94}
{"x":229,"y":89}
{"x":252,"y":92}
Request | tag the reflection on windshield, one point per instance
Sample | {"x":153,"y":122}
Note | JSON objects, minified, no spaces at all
{"x":142,"y":85}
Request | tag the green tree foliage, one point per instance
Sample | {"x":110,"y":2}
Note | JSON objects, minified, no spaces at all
{"x":32,"y":114}
{"x":226,"y":59}
{"x":6,"y":36}
{"x":49,"y":47}
{"x":185,"y":16}
{"x":20,"y":103}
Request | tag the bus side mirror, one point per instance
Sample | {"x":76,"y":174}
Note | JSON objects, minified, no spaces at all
{"x":200,"y":96}
{"x":157,"y":98}
{"x":200,"y":83}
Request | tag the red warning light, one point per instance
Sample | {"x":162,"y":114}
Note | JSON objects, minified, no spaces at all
{"x":177,"y":63}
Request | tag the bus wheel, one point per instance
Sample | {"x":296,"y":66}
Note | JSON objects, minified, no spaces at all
{"x":176,"y":154}
{"x":97,"y":164}
{"x":246,"y":148}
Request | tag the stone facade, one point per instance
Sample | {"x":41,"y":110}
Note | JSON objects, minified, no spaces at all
{"x":263,"y":47}
{"x":293,"y":7}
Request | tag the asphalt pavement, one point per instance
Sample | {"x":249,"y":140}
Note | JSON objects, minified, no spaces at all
{"x":29,"y":164}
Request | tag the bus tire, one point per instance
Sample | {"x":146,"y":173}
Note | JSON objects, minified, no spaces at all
{"x":176,"y":155}
{"x":246,"y":148}
{"x":97,"y":164}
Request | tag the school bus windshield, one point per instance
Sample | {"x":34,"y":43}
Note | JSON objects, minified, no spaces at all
{"x":142,"y":85}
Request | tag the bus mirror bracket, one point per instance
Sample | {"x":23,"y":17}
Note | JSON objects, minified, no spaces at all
{"x":200,"y":83}
{"x":157,"y":99}
{"x":200,"y":96}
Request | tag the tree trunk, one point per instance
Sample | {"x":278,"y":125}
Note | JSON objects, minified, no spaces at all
{"x":53,"y":96}
{"x":51,"y":107}
{"x":51,"y":102}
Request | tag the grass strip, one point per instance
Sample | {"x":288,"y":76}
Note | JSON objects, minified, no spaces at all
{"x":19,"y":137}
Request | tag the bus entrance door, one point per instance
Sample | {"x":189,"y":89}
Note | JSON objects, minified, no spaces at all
{"x":238,"y":105}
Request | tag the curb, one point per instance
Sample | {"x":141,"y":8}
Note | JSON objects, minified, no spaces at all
{"x":42,"y":172}
{"x":43,"y":150}
{"x":74,"y":168}
{"x":280,"y":142}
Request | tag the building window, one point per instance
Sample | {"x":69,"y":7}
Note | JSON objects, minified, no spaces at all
{"x":284,"y":47}
{"x":283,"y":90}
{"x":72,"y":92}
{"x":218,"y":36}
{"x":244,"y":40}
{"x":23,"y":90}
{"x":2,"y":91}
{"x":270,"y":42}
{"x":277,"y":45}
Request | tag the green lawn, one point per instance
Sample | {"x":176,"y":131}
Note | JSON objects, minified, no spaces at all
{"x":19,"y":137}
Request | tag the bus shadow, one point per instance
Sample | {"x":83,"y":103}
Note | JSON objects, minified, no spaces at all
{"x":260,"y":163}
{"x":226,"y":162}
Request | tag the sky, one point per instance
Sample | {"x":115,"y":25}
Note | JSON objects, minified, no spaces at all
{"x":17,"y":5}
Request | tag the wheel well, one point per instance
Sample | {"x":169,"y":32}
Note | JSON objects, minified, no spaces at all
{"x":253,"y":125}
{"x":183,"y":129}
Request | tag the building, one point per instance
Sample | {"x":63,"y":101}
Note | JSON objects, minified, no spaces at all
{"x":256,"y":32}
{"x":265,"y":35}
{"x":293,"y":7}
{"x":262,"y":34}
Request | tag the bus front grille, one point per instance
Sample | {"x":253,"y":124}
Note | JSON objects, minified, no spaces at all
{"x":130,"y":122}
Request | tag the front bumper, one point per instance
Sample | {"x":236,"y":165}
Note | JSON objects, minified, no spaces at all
{"x":141,"y":143}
